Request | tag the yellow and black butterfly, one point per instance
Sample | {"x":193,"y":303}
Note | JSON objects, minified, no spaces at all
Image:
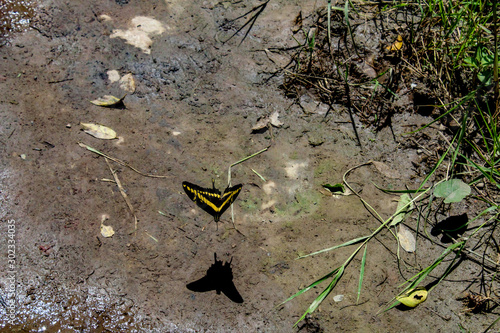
{"x":210,"y":199}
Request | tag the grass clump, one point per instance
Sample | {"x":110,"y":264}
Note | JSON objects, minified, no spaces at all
{"x":449,"y":60}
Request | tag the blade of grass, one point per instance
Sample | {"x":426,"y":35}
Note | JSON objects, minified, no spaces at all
{"x":351,"y":242}
{"x":312,"y":285}
{"x":339,"y":271}
{"x":236,"y":163}
{"x":241,"y":161}
{"x":420,"y":276}
{"x":258,"y":174}
{"x":314,"y":305}
{"x":361,"y":273}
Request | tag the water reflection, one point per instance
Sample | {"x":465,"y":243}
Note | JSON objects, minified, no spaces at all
{"x":15,"y":16}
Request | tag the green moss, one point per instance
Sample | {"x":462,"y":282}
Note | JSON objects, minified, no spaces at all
{"x":294,"y":155}
{"x":226,"y":233}
{"x":250,"y":204}
{"x":305,"y":203}
{"x":288,"y":225}
{"x":324,"y":167}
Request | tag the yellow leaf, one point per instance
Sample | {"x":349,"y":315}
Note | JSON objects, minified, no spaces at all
{"x":98,"y":131}
{"x":413,"y":297}
{"x":397,"y":45}
{"x":107,"y":230}
{"x":107,"y":100}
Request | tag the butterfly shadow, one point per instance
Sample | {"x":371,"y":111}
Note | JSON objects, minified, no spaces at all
{"x":451,"y":228}
{"x":219,"y":277}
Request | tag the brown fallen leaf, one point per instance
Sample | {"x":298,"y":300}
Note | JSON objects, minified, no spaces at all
{"x":108,"y":100}
{"x":261,"y":123}
{"x":273,"y":119}
{"x":298,"y":23}
{"x":98,"y":131}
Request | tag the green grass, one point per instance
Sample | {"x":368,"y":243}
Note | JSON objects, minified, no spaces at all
{"x":455,"y":44}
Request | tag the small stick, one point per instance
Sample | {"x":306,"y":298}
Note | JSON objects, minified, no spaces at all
{"x":83,"y":145}
{"x":241,"y":161}
{"x":152,"y":237}
{"x":122,"y":191}
{"x":229,"y":178}
{"x":263,"y":179}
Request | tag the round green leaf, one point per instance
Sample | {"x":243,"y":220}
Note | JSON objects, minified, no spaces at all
{"x":453,"y":190}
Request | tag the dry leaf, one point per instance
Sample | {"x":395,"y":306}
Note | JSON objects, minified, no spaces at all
{"x":273,"y":119}
{"x":263,"y":122}
{"x":397,"y":45}
{"x":107,"y":100}
{"x":107,"y":230}
{"x":98,"y":131}
{"x":127,"y":83}
{"x":406,"y":239}
{"x":298,"y":23}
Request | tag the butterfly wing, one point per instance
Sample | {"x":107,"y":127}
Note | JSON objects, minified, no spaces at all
{"x":210,"y":199}
{"x":206,"y":198}
{"x":228,"y":198}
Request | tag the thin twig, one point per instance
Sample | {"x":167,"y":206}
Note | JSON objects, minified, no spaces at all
{"x":229,"y":179}
{"x":123,"y":193}
{"x":83,"y":145}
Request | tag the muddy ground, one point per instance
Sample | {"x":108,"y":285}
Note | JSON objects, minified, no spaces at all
{"x":190,"y":117}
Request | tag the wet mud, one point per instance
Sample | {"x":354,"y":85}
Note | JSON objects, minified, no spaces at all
{"x":190,"y":117}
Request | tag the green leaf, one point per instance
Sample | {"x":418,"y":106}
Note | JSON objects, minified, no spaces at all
{"x":453,"y":190}
{"x":335,"y":189}
{"x":404,"y":206}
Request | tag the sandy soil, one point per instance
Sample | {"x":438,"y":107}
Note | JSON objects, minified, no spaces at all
{"x":190,"y":117}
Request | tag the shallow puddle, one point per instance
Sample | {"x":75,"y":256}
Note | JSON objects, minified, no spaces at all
{"x":15,"y":16}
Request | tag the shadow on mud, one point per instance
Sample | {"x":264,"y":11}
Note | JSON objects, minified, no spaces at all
{"x":219,"y":277}
{"x":451,"y":228}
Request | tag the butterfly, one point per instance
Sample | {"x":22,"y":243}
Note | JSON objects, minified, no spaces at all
{"x":219,"y":277}
{"x":210,"y":199}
